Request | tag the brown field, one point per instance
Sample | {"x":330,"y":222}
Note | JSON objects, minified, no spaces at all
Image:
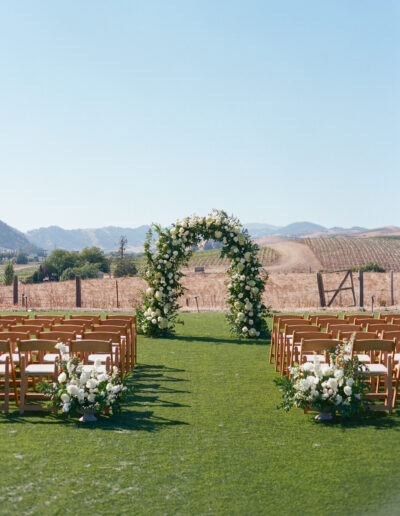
{"x":284,"y":291}
{"x":343,"y":253}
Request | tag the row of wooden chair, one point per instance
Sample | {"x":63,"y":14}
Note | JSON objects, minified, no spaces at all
{"x":33,"y":365}
{"x":126,"y":325}
{"x":377,"y":357}
{"x":283,"y":327}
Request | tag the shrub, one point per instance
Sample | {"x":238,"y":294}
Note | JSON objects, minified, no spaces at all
{"x":369,"y":267}
{"x":21,"y":258}
{"x":86,"y":271}
{"x":124,"y":267}
{"x":8,"y":274}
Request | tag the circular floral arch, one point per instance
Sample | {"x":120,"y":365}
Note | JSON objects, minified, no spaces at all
{"x":172,"y":249}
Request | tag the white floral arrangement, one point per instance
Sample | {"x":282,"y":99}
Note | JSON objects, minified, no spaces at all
{"x":173,"y":248}
{"x":335,"y":387}
{"x":79,"y":388}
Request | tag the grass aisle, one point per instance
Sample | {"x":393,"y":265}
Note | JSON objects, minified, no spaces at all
{"x":201,"y":436}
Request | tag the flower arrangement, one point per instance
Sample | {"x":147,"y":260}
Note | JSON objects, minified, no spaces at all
{"x":173,"y":248}
{"x":78,"y":388}
{"x":335,"y":387}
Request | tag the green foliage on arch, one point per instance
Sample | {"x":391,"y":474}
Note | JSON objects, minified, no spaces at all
{"x":172,"y":249}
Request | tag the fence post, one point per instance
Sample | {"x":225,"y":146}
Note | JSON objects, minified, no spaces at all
{"x":321,"y":289}
{"x":15,"y":290}
{"x":361,"y":281}
{"x":116,"y":287}
{"x":391,"y":289}
{"x":78,"y":292}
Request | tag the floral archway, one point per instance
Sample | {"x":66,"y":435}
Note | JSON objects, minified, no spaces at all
{"x":172,"y":248}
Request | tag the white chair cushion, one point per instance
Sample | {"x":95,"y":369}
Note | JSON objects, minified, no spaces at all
{"x":363,"y":358}
{"x":40,"y":369}
{"x":310,"y":358}
{"x":51,"y":357}
{"x":15,"y":357}
{"x":99,"y":356}
{"x":376,"y":368}
{"x":3,"y":369}
{"x":397,"y":357}
{"x":89,"y":369}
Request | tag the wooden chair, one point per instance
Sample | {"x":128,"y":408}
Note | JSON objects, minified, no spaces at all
{"x":311,"y":348}
{"x":12,"y":336}
{"x":6,"y":369}
{"x":358,"y":318}
{"x":118,"y":347}
{"x":133,"y":322}
{"x":69,"y":328}
{"x":32,"y":329}
{"x":33,"y":366}
{"x":313,"y":318}
{"x":57,"y":336}
{"x":46,"y":323}
{"x":343,"y":327}
{"x":85,"y":348}
{"x":92,"y":318}
{"x":16,"y":317}
{"x":381,"y":327}
{"x":359,"y":335}
{"x":286,"y":342}
{"x":381,"y":366}
{"x":273,"y":350}
{"x":125,"y":334}
{"x":55,"y":318}
{"x":87,"y":324}
{"x":331,"y":320}
{"x":296,"y":341}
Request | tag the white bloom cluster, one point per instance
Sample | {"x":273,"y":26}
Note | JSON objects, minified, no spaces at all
{"x":78,"y":385}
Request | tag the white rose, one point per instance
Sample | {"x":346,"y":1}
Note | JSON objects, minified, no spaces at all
{"x":218,"y":235}
{"x":65,"y":398}
{"x":91,"y":398}
{"x":347,"y":390}
{"x":72,"y":390}
{"x":150,"y":292}
{"x":247,"y":256}
{"x":252,"y":332}
{"x":245,"y":329}
{"x":62,"y":377}
{"x":66,"y":407}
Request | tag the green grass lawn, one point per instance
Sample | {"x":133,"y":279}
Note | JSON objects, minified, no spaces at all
{"x":201,"y":435}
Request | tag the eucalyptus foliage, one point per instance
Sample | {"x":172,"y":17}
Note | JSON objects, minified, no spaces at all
{"x":173,"y":247}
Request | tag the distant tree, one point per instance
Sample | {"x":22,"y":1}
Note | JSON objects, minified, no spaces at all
{"x":96,"y":256}
{"x":86,"y":271}
{"x":8,"y":274}
{"x":124,"y":267}
{"x":21,"y":258}
{"x":59,"y":260}
{"x":122,"y":246}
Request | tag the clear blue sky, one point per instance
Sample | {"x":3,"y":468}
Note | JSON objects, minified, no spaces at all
{"x":129,"y":112}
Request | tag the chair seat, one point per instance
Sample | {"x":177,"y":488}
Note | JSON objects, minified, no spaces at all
{"x":3,"y":368}
{"x":15,"y":357}
{"x":376,"y":368}
{"x":363,"y":358}
{"x":51,"y":357}
{"x":40,"y":369}
{"x":89,"y":369}
{"x":397,"y":357}
{"x":311,"y":358}
{"x":99,"y":356}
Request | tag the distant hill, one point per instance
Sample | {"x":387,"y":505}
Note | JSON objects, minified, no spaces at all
{"x":257,"y":230}
{"x":14,"y":240}
{"x":300,"y":228}
{"x":106,"y":238}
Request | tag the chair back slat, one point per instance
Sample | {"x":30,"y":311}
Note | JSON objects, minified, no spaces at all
{"x":90,"y":346}
{"x":374,"y":345}
{"x":57,"y":335}
{"x":36,"y":345}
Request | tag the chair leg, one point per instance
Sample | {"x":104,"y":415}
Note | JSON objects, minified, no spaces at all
{"x":23,"y":386}
{"x":7,"y":386}
{"x":390,"y":386}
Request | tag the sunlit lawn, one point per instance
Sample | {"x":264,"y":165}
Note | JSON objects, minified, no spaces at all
{"x":201,"y":435}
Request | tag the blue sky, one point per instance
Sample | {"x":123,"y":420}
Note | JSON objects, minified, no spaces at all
{"x":126,"y":113}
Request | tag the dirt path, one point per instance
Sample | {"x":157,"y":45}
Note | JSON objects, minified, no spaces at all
{"x":294,"y":257}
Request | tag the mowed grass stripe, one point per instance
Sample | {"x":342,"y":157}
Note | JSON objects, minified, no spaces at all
{"x":201,"y":435}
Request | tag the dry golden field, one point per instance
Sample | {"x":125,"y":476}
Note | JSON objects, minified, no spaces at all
{"x":284,"y":291}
